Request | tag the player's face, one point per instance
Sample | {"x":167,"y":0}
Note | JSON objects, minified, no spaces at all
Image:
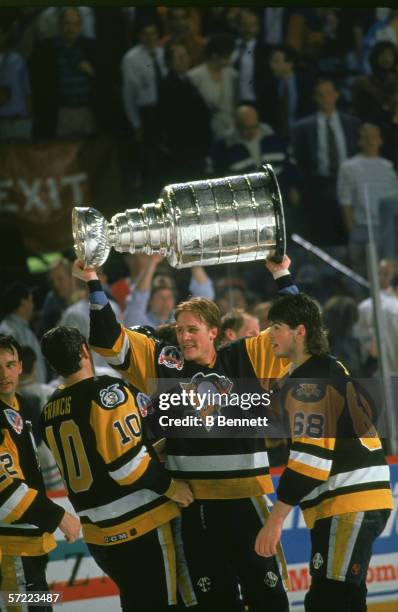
{"x":250,"y":327}
{"x":10,"y":370}
{"x":283,"y":340}
{"x":195,"y":338}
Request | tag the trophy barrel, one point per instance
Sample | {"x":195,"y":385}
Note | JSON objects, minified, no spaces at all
{"x":227,"y":220}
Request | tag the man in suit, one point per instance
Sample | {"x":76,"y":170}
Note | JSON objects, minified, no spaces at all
{"x":185,"y":118}
{"x":321,"y":142}
{"x":250,"y":58}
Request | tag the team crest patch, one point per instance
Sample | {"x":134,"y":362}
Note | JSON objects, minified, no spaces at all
{"x":317,"y":561}
{"x":308,"y":391}
{"x":144,"y":404}
{"x":14,"y":419}
{"x":271,"y":579}
{"x":171,"y":357}
{"x":112,"y":396}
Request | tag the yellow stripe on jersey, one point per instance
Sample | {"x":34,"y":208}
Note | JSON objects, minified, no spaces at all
{"x":31,"y":546}
{"x":142,"y":360}
{"x":133,"y":470}
{"x":17,"y":509}
{"x":308,"y":470}
{"x":231,"y":488}
{"x":376,"y":499}
{"x":327,"y":443}
{"x":262,"y":358}
{"x":131,"y":529}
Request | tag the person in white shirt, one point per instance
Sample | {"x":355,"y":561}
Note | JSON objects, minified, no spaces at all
{"x":216,"y":82}
{"x":17,"y":309}
{"x":364,"y":180}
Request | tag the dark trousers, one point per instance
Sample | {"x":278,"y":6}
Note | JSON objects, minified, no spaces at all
{"x":341,"y":549}
{"x":143,"y":569}
{"x":217,"y":538}
{"x":25,"y":574}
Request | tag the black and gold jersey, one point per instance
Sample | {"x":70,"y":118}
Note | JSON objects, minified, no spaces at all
{"x":113,"y":478}
{"x":336,"y":461}
{"x":27,"y":517}
{"x":216,"y":468}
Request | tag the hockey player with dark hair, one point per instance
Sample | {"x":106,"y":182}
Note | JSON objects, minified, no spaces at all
{"x":122,"y":494}
{"x":27,"y":517}
{"x":229,"y":476}
{"x":336,"y":472}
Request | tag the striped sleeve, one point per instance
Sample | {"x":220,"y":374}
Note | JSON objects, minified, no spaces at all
{"x":119,"y":441}
{"x":313,"y":411}
{"x":130,"y":352}
{"x":19,"y":501}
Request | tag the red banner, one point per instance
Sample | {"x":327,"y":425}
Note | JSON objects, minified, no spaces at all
{"x":40,"y":184}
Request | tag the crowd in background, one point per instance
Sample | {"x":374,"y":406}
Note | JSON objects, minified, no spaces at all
{"x":205,"y":92}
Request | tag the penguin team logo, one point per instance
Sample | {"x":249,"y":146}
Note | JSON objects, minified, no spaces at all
{"x":14,"y":419}
{"x":112,"y":396}
{"x":171,"y":357}
{"x":211,"y":393}
{"x":271,"y":579}
{"x":317,"y":560}
{"x":144,"y":404}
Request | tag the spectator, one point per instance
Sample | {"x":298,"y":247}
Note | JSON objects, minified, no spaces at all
{"x":15,"y":92}
{"x":232,"y":297}
{"x":387,"y":272}
{"x":365,"y":177}
{"x":17,"y":309}
{"x":389,"y":313}
{"x":27,"y":380}
{"x":383,"y":29}
{"x":340,"y":314}
{"x":238,"y":324}
{"x":67,"y":63}
{"x":274,"y":25}
{"x":185,"y":118}
{"x":216,"y":82}
{"x":321,"y":142}
{"x":154,"y":305}
{"x":142,"y":72}
{"x":260,"y":311}
{"x":63,"y":288}
{"x":284,"y":96}
{"x":181,"y":32}
{"x":250,"y":59}
{"x":49,"y":22}
{"x":252,"y":144}
{"x":371,"y":93}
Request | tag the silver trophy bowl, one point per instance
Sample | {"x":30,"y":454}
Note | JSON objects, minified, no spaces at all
{"x":226,"y":220}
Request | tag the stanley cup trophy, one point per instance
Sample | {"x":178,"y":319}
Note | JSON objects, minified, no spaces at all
{"x":225,"y":220}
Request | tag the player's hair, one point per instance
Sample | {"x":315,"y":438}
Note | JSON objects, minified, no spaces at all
{"x":203,"y":308}
{"x":294,"y":310}
{"x":8,"y":343}
{"x":234,"y":319}
{"x":62,"y":347}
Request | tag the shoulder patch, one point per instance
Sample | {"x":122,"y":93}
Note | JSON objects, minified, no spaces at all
{"x":112,"y":396}
{"x":308,"y":392}
{"x":14,"y":419}
{"x":171,"y":357}
{"x":144,"y":403}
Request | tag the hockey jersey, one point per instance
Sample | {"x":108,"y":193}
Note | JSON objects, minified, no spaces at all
{"x":336,"y":461}
{"x":112,"y":475}
{"x":27,"y":517}
{"x":216,"y":468}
